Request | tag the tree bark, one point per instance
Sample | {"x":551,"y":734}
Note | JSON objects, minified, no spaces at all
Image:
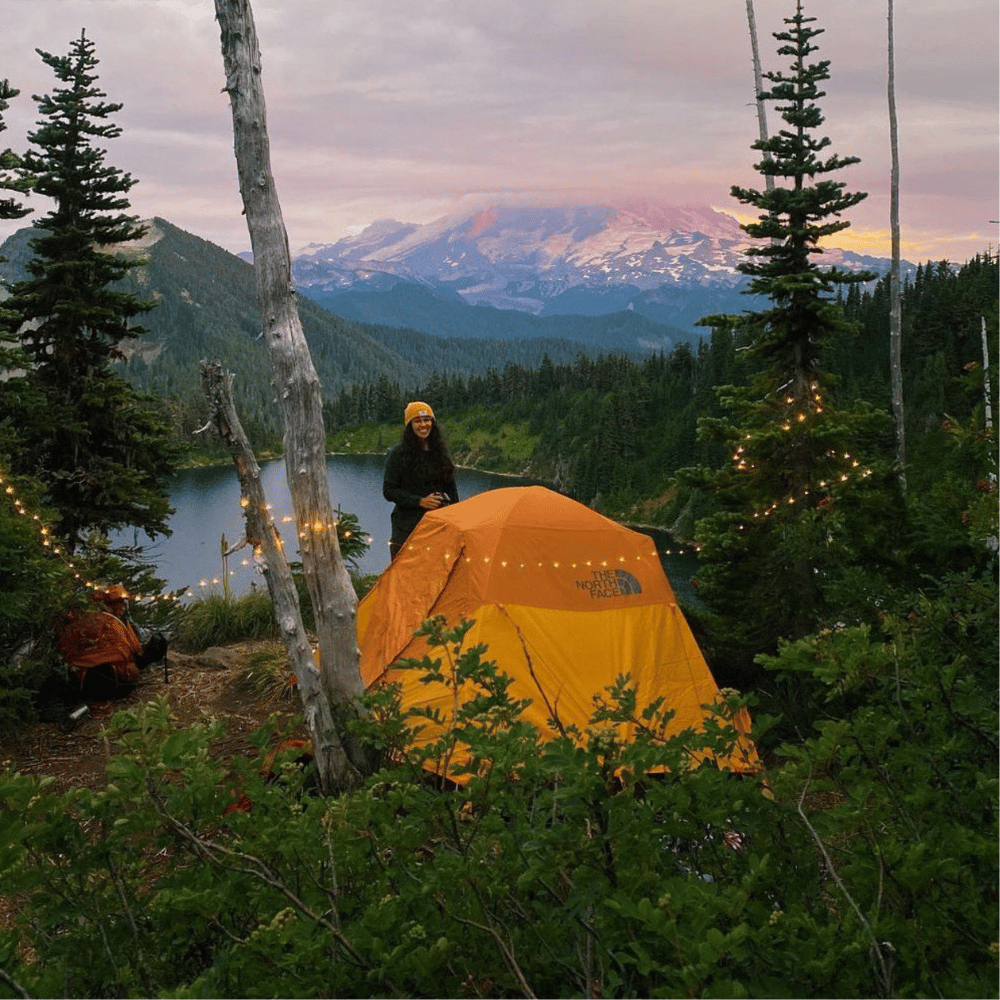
{"x":262,"y":534}
{"x":895,"y":319}
{"x":758,"y":82}
{"x":987,"y":394}
{"x":296,"y":387}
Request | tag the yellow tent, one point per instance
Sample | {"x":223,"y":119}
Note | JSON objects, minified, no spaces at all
{"x":565,"y":599}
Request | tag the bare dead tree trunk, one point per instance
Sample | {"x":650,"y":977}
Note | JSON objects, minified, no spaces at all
{"x":758,"y":82}
{"x":895,"y":319}
{"x":295,"y":383}
{"x":987,"y":395}
{"x":262,"y":534}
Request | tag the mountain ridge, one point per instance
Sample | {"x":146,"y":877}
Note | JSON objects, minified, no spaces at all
{"x":207,"y":308}
{"x":657,"y":259}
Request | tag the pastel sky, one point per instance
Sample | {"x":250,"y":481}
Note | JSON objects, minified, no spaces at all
{"x":416,"y":109}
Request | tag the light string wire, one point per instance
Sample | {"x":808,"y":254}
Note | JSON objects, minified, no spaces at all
{"x":52,"y":545}
{"x":793,"y":419}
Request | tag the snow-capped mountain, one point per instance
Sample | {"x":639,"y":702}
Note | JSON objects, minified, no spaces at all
{"x":645,"y":256}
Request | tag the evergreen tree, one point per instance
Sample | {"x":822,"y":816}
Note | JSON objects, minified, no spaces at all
{"x":10,"y":208}
{"x":796,"y":216}
{"x":771,"y":552}
{"x":101,"y":452}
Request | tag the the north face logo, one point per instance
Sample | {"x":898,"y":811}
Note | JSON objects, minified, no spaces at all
{"x":606,"y":583}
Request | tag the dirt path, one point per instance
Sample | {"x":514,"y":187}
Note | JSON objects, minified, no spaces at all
{"x":202,"y":688}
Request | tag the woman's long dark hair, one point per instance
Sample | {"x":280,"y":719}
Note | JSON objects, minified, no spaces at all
{"x":437,"y":446}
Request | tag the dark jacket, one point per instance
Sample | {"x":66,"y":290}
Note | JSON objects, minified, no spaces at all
{"x":408,"y":479}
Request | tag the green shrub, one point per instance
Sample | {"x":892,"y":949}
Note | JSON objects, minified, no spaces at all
{"x":560,"y":868}
{"x":904,"y":760}
{"x":265,"y":672}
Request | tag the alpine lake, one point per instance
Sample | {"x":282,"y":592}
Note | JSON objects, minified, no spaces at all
{"x":208,"y":519}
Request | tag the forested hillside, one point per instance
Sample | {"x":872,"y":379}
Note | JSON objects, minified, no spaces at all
{"x":206,"y":307}
{"x":444,"y":314}
{"x":614,"y":430}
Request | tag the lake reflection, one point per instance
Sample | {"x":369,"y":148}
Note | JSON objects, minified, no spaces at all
{"x":207,"y":502}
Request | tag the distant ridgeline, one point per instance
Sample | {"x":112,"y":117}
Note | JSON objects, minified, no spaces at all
{"x":495,"y":272}
{"x":207,"y":308}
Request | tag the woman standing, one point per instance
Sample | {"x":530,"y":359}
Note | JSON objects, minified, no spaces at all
{"x":419,"y":473}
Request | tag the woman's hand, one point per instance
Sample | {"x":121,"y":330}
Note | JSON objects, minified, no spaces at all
{"x":431,"y":502}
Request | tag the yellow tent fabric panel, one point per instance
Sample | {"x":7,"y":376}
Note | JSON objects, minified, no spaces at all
{"x":567,"y":657}
{"x":575,"y":655}
{"x":560,"y":660}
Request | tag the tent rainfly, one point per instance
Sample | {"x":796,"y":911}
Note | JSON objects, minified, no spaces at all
{"x":566,"y":601}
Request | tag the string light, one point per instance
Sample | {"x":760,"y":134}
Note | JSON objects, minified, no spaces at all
{"x":812,"y":405}
{"x":790,"y":499}
{"x":53,"y":546}
{"x":317,"y":527}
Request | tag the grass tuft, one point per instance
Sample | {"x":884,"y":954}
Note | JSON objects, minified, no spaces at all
{"x":214,"y":620}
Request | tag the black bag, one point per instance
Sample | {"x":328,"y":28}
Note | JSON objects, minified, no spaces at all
{"x":153,"y":651}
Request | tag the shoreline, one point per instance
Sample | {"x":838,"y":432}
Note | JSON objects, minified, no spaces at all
{"x":687,"y":545}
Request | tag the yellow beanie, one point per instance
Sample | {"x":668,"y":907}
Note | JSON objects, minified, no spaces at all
{"x":417,"y":409}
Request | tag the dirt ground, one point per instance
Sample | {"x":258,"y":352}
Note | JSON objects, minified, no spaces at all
{"x":221,"y":682}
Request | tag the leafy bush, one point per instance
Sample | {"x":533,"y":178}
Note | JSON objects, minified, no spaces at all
{"x":558,"y":868}
{"x":905,"y":766}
